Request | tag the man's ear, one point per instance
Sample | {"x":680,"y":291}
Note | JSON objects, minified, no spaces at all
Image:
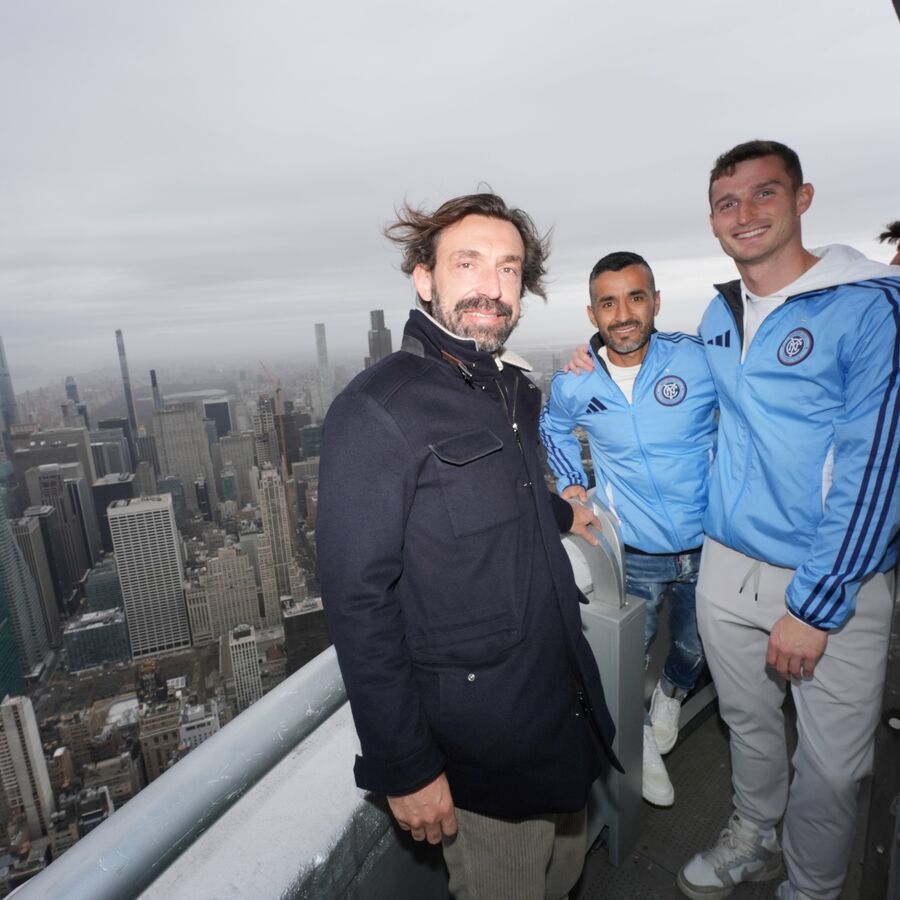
{"x":804,"y":198}
{"x":592,"y":317}
{"x":656,"y":304}
{"x":424,"y":282}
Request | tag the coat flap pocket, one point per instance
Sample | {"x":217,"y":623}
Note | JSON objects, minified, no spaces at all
{"x":466,"y":448}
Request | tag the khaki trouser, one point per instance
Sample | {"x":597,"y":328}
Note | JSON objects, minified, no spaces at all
{"x":538,"y":858}
{"x":837,"y":710}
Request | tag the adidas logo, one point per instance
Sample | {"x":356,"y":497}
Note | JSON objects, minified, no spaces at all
{"x":721,"y":340}
{"x":595,"y":406}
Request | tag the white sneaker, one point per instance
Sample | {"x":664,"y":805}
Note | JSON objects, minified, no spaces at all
{"x":655,"y":785}
{"x":664,"y":714}
{"x":742,"y":853}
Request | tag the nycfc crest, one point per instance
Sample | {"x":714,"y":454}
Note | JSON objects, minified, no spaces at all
{"x":795,"y":347}
{"x":670,"y":390}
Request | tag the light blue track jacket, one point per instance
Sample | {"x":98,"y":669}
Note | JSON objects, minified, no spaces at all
{"x":651,"y":457}
{"x":807,"y":463}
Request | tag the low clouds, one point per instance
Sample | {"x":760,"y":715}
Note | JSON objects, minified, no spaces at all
{"x":213,"y":177}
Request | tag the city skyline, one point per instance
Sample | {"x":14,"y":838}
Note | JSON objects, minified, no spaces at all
{"x":214,"y":182}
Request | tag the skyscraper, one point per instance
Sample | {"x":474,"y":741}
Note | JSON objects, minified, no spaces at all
{"x":30,"y":540}
{"x":78,"y":488}
{"x":148,"y":558}
{"x":245,"y":665}
{"x":53,"y":445}
{"x":72,"y":389}
{"x":279,"y":573}
{"x":47,"y":487}
{"x":65,"y":586}
{"x":12,"y":680}
{"x":184,"y":450}
{"x":145,"y":451}
{"x":110,"y":451}
{"x":121,"y":424}
{"x":19,"y":596}
{"x":23,"y":769}
{"x":265,"y":441}
{"x":9,"y":410}
{"x":219,"y":410}
{"x":126,"y":383}
{"x":73,"y":414}
{"x":169,"y":484}
{"x":324,"y":392}
{"x":321,"y":346}
{"x":305,"y":632}
{"x":106,"y":490}
{"x":379,"y":338}
{"x":159,"y":732}
{"x":237,"y":454}
{"x":102,"y":588}
{"x":198,"y":613}
{"x":144,"y":479}
{"x":154,"y":386}
{"x":95,"y":638}
{"x":231,"y":592}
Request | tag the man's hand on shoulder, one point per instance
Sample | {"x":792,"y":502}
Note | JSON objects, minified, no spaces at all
{"x":428,"y":813}
{"x":581,"y":361}
{"x":795,"y":647}
{"x":583,"y":518}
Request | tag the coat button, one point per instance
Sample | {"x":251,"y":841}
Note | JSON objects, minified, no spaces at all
{"x":471,"y":676}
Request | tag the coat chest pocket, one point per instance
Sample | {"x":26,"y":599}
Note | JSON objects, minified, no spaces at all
{"x":476,"y":482}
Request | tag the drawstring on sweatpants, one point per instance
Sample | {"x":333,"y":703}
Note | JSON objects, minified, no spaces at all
{"x":753,"y":572}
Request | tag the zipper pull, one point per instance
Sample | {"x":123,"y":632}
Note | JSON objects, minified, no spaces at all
{"x":460,"y":367}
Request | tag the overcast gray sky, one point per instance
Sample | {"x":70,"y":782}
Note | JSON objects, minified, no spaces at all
{"x":212,"y":176}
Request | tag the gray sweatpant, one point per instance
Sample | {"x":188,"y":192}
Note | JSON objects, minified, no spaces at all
{"x":837,"y":710}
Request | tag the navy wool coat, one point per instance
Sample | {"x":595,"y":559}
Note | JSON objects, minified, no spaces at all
{"x":447,"y":590}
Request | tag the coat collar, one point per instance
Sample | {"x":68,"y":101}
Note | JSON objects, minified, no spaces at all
{"x":438,"y":342}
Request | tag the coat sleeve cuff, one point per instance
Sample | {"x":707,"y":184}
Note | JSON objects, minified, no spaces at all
{"x":396,"y":778}
{"x":563,"y":512}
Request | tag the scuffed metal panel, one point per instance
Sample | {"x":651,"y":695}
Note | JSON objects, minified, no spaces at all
{"x":306,"y":832}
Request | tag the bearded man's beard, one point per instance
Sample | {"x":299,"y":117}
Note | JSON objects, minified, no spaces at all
{"x":488,"y":337}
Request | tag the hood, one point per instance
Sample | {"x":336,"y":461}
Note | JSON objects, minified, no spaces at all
{"x":838,"y":264}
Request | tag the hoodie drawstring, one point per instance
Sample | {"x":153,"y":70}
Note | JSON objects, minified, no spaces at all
{"x":753,"y":572}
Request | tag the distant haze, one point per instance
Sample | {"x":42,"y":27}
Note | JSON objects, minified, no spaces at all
{"x":212,"y":177}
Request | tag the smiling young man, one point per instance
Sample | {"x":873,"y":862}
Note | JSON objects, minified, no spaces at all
{"x":648,"y":408}
{"x":801,"y":526}
{"x":449,"y":595}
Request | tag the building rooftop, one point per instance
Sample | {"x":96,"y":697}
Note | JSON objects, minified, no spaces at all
{"x":94,"y":620}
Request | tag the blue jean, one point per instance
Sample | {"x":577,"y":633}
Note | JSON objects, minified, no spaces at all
{"x":649,"y":577}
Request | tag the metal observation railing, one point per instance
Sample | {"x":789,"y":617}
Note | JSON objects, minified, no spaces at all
{"x":267,"y":807}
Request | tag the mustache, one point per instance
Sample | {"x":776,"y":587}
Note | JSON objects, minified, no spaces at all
{"x":481,"y":301}
{"x":630,"y":323}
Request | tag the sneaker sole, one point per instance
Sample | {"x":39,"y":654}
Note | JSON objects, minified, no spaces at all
{"x":696,"y":892}
{"x":700,"y":893}
{"x":655,"y":800}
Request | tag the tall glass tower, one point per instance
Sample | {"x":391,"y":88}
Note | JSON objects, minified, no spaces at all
{"x":22,"y":629}
{"x":380,"y":344}
{"x":148,"y":557}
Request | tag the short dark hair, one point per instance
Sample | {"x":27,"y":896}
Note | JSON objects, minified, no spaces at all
{"x":728,"y":161}
{"x":416,"y":231}
{"x":892,"y":234}
{"x":615,"y":262}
